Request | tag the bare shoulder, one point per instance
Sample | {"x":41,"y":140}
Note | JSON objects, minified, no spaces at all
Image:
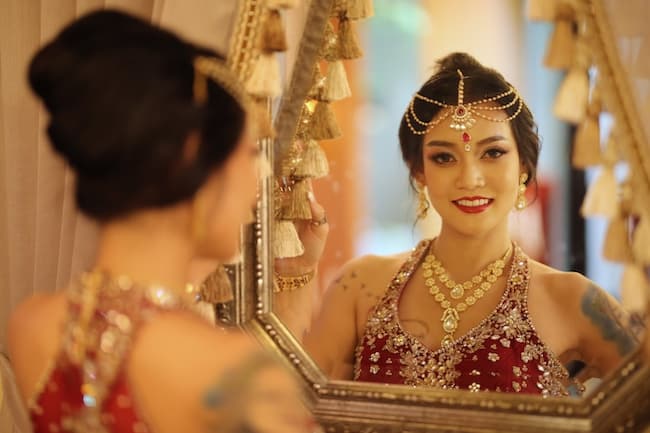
{"x":368,"y":270}
{"x":180,"y":355}
{"x":560,"y":286}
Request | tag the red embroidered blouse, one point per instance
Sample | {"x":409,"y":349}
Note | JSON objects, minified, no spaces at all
{"x":502,"y":353}
{"x":86,"y":388}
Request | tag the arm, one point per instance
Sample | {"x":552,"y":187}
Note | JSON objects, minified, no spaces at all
{"x":608,"y":329}
{"x":296,"y":306}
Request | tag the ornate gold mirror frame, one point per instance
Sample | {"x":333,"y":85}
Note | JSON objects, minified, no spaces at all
{"x":620,"y":403}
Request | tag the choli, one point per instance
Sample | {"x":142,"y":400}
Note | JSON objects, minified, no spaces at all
{"x":502,"y":353}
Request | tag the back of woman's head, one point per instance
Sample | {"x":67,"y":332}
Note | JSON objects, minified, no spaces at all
{"x":480,"y":82}
{"x":119,"y":92}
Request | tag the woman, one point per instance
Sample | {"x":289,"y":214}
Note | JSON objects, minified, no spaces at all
{"x":468,"y":309}
{"x":158,"y":135}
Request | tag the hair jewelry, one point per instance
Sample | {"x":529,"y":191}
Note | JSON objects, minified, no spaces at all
{"x":210,"y":67}
{"x":462,"y":114}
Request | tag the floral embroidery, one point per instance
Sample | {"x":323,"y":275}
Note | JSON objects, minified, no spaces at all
{"x":506,"y":335}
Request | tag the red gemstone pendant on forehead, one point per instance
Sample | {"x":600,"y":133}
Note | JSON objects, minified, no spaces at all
{"x":466,"y":139}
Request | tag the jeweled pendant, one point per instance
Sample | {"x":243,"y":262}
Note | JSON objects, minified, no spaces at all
{"x":457,"y":292}
{"x":450,"y":320}
{"x":447,"y":340}
{"x":450,"y":324}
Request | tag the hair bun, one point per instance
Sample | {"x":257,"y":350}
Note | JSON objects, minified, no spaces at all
{"x":462,"y":61}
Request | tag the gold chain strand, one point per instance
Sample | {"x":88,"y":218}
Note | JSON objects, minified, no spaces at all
{"x":483,"y":281}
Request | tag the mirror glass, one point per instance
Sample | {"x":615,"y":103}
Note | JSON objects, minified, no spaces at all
{"x":371,"y":208}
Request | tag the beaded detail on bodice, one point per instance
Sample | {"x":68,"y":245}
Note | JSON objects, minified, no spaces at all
{"x":502,"y":353}
{"x":85,"y":388}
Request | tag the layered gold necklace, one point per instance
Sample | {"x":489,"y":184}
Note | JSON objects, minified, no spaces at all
{"x":477,"y":287}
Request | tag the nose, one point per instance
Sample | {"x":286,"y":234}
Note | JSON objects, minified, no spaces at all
{"x":470,"y":175}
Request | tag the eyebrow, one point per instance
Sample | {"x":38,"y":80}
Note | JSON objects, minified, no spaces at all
{"x":484,"y":141}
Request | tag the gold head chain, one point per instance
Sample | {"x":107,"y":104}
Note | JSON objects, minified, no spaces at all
{"x":211,"y":67}
{"x":462,"y":113}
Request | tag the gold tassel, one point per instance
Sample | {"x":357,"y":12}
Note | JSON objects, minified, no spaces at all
{"x":272,"y":37}
{"x":601,"y":198}
{"x":317,"y":90}
{"x":323,"y":124}
{"x":348,"y":43}
{"x":330,"y":51}
{"x":264,"y":81}
{"x":263,"y":119}
{"x":354,"y":9}
{"x":336,"y":84}
{"x":286,"y":242}
{"x":586,"y":147}
{"x":641,"y":241}
{"x":294,"y":204}
{"x":561,"y":47}
{"x":541,"y":10}
{"x":634,"y":289}
{"x":313,"y":161}
{"x":611,"y":154}
{"x":617,"y":243}
{"x":216,"y":288}
{"x":571,"y":100}
{"x":281,"y":4}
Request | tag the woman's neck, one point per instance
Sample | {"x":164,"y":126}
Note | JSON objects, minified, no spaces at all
{"x":147,"y":250}
{"x":465,"y":256}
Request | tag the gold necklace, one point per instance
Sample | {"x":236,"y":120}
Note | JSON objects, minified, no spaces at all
{"x":432,"y":269}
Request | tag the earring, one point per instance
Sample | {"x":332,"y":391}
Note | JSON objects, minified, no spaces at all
{"x":521,"y":192}
{"x":423,"y":202}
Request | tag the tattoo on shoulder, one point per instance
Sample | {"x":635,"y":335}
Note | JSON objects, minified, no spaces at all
{"x":610,"y":319}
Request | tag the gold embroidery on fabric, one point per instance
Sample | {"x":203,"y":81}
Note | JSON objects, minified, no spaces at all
{"x":420,"y":366}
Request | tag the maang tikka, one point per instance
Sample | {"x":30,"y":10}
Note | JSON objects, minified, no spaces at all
{"x":462,"y":118}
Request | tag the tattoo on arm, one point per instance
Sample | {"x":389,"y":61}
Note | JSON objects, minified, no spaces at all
{"x":610,"y":319}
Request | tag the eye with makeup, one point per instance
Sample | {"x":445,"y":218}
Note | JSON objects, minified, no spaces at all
{"x":442,"y":158}
{"x":494,"y":152}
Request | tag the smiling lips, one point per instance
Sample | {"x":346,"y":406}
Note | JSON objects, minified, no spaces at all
{"x":473,"y":204}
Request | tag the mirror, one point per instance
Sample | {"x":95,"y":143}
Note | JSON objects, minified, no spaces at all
{"x":356,"y":406}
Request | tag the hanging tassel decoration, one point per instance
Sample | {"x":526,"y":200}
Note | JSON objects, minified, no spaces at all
{"x":348,"y":43}
{"x":330,"y":48}
{"x":286,"y":242}
{"x":263,"y":119}
{"x":281,"y":4}
{"x":336,"y":84}
{"x":617,"y":241}
{"x":634,"y":289}
{"x":294,"y":203}
{"x":561,"y":47}
{"x":272,"y":36}
{"x":317,"y":90}
{"x":541,"y":10}
{"x":571,"y":101}
{"x":313,"y":161}
{"x":216,"y":288}
{"x":323,"y":124}
{"x":355,"y":9}
{"x":586,"y":147}
{"x":641,"y":241}
{"x":264,"y":81}
{"x":602,"y":195}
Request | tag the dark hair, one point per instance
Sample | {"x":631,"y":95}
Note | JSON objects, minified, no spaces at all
{"x":120,"y":96}
{"x":480,"y":82}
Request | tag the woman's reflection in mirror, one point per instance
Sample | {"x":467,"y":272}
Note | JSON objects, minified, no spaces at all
{"x":467,"y":309}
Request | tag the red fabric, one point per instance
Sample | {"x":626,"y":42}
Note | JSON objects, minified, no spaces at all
{"x":502,"y":353}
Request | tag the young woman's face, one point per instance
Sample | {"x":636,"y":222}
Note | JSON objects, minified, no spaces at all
{"x":228,"y":200}
{"x":474,"y":188}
